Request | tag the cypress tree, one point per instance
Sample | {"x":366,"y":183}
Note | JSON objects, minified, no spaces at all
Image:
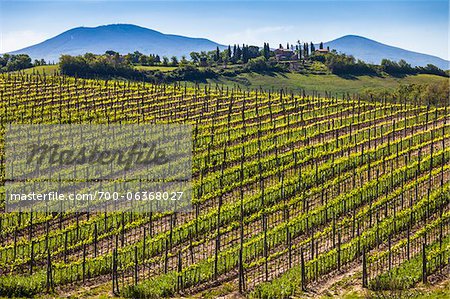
{"x":217,"y":56}
{"x":266,"y":51}
{"x":244,"y":53}
{"x":305,"y":50}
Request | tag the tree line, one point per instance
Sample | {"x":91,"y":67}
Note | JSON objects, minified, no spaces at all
{"x":236,"y":54}
{"x":114,"y":65}
{"x":435,"y":94}
{"x":342,"y":64}
{"x":247,"y":58}
{"x":111,"y":64}
{"x":11,"y":63}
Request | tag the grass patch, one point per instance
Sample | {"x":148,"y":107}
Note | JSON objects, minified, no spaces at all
{"x":42,"y":69}
{"x":160,"y":68}
{"x":324,"y":83}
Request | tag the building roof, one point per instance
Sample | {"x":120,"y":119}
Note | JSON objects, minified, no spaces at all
{"x":284,"y":51}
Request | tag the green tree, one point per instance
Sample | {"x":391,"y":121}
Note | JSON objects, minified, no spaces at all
{"x":195,"y":57}
{"x":305,"y":50}
{"x":174,"y":61}
{"x":266,"y":51}
{"x":183,"y":61}
{"x":111,"y":52}
{"x":17,"y":62}
{"x":217,"y":57}
{"x":244,"y":53}
{"x":238,"y":53}
{"x":143,"y":60}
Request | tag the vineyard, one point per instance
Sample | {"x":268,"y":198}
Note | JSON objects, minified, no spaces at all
{"x":289,"y":191}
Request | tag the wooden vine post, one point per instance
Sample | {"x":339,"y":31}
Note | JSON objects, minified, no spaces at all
{"x":364,"y":268}
{"x":424,"y":263}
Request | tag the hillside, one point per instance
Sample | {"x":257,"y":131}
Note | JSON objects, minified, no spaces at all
{"x":290,"y":194}
{"x":126,"y":38}
{"x":325,"y":83}
{"x":294,"y":81}
{"x":122,"y":38}
{"x":373,"y":52}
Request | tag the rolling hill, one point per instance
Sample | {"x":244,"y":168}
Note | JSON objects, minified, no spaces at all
{"x":373,"y":52}
{"x":126,"y":38}
{"x":123,"y":38}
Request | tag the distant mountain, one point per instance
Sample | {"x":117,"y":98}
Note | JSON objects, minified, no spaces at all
{"x":122,"y":38}
{"x":373,"y":52}
{"x":125,"y":38}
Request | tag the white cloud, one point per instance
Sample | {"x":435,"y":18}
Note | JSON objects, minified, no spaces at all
{"x":15,"y":40}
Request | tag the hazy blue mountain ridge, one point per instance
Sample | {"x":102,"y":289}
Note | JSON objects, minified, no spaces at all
{"x":373,"y":52}
{"x":121,"y":38}
{"x":126,"y":38}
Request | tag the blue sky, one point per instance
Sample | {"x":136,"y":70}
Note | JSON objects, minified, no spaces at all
{"x":420,"y":26}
